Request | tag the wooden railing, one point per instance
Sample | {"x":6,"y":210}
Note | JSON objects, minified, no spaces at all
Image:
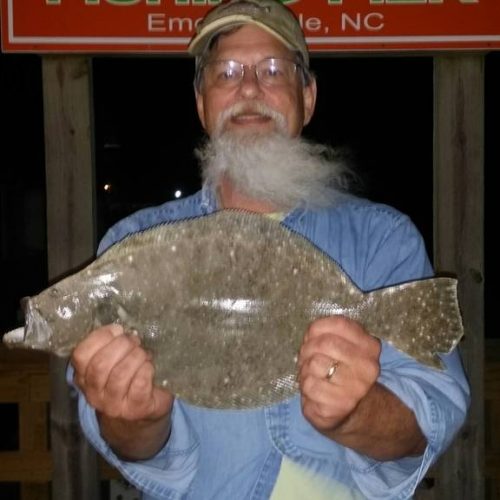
{"x":24,"y":380}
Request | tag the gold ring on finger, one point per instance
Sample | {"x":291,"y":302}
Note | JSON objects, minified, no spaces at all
{"x":332,"y":369}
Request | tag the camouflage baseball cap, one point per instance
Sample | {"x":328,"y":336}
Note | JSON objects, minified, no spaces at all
{"x":269,"y":15}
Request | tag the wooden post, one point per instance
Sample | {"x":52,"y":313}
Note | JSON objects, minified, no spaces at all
{"x":71,"y":242}
{"x":459,"y":247}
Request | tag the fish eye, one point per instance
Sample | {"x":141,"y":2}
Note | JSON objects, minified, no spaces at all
{"x":64,"y":312}
{"x":55,"y":292}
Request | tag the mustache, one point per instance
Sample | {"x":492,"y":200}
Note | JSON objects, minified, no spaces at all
{"x":241,"y":108}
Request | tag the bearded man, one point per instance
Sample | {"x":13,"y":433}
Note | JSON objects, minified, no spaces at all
{"x":369,"y":421}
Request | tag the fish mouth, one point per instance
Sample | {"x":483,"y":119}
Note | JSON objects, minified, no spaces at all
{"x":14,"y":338}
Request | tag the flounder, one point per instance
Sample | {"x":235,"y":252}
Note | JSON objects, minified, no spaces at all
{"x":222,"y":302}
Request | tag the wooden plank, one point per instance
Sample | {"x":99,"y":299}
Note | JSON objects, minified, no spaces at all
{"x":492,"y":465}
{"x":33,"y":426}
{"x":20,"y":385}
{"x":492,"y":446}
{"x":106,"y":471}
{"x":26,"y":466}
{"x":492,"y":489}
{"x":13,"y":387}
{"x":39,"y":387}
{"x":492,"y":382}
{"x":35,"y":491}
{"x":71,"y":243}
{"x":69,"y":164}
{"x":459,"y":247}
{"x":12,"y":359}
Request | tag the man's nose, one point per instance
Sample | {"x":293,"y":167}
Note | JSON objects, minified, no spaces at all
{"x":249,"y":84}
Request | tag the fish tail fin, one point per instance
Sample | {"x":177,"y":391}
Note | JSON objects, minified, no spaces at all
{"x":421,"y":318}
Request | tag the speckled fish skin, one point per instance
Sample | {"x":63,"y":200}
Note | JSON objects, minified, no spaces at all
{"x":223,"y":301}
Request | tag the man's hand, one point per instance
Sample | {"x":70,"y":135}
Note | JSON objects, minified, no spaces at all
{"x":116,"y":376}
{"x":338,"y":370}
{"x":341,"y":344}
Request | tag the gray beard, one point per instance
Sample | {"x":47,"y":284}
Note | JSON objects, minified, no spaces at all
{"x":285,"y":172}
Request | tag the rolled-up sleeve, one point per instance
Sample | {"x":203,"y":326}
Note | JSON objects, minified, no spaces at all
{"x":439,"y":401}
{"x":168,"y":474}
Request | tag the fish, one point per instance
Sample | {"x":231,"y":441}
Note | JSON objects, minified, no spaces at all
{"x":222,"y":301}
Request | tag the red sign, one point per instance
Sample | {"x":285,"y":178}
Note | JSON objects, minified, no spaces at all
{"x":110,"y":26}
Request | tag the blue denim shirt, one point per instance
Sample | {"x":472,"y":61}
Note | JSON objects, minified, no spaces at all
{"x":236,"y":454}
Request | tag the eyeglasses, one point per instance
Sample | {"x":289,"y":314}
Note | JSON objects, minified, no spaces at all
{"x":271,"y":71}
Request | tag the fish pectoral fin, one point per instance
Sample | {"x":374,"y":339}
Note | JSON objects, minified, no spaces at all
{"x":109,"y":311}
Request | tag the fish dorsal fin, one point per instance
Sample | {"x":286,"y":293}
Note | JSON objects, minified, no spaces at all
{"x":228,"y":222}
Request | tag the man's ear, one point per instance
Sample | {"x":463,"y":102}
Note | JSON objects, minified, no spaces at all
{"x":309,"y":94}
{"x":200,"y":107}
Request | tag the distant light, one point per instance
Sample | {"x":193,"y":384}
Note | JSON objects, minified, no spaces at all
{"x":107,"y":187}
{"x":178,"y":193}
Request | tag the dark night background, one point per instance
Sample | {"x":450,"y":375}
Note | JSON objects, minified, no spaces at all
{"x":378,"y":109}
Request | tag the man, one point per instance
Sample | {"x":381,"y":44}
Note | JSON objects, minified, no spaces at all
{"x":369,"y":421}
